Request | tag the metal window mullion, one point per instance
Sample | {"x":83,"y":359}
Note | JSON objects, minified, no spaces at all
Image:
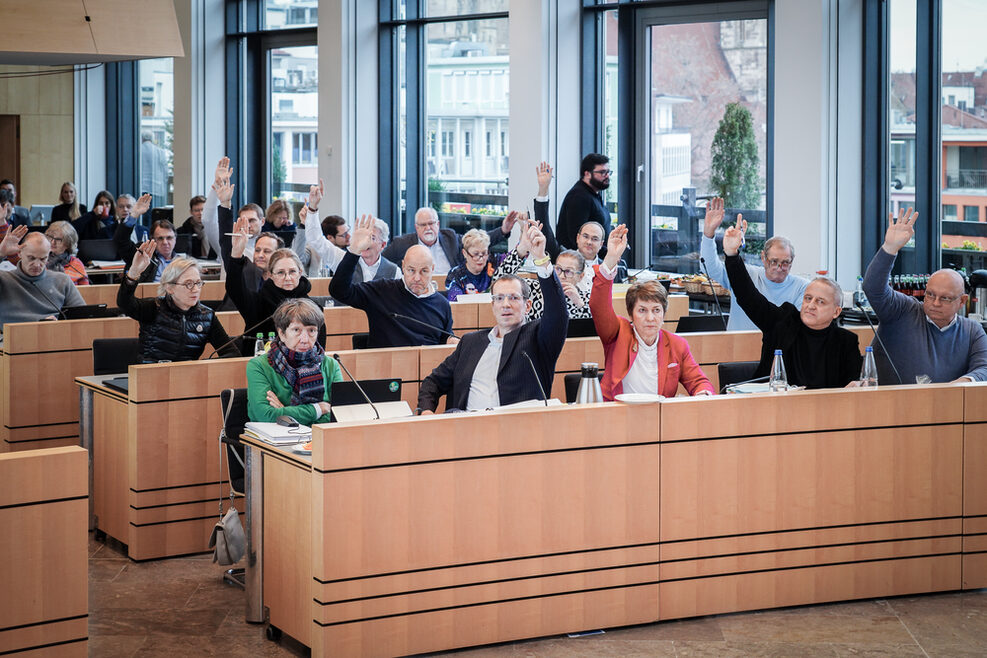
{"x":928,"y":129}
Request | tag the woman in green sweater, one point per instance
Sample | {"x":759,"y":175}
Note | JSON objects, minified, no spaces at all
{"x":294,"y":377}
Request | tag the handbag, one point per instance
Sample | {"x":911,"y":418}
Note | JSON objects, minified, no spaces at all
{"x":228,"y":541}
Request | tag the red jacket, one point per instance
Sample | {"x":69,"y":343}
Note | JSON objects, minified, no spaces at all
{"x":675,"y":362}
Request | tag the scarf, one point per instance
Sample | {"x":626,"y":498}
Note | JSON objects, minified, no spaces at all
{"x":58,"y":263}
{"x":302,"y":371}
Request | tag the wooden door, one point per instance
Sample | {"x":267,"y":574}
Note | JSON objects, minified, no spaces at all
{"x":10,"y":148}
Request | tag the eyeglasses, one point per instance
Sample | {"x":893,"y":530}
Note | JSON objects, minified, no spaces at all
{"x":933,"y":297}
{"x":284,"y":274}
{"x":780,"y":264}
{"x":603,"y":172}
{"x":566,"y":272}
{"x":52,"y":238}
{"x":476,"y":255}
{"x":191,"y":286}
{"x":512,"y":298}
{"x":592,"y":239}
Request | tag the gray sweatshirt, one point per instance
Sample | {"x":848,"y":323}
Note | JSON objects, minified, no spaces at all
{"x":22,"y":301}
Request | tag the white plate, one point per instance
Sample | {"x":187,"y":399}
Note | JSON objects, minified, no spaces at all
{"x":638,"y":398}
{"x":300,"y":449}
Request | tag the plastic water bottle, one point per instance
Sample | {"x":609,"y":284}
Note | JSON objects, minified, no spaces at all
{"x":859,"y":298}
{"x":778,"y":383}
{"x":868,"y":372}
{"x":270,"y":339}
{"x":259,"y":344}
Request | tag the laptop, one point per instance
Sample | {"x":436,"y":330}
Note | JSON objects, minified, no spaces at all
{"x":90,"y":250}
{"x":86,"y":312}
{"x":378,"y":390}
{"x":580,"y":328}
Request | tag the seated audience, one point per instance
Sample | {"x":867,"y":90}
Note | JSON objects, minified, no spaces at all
{"x":139,"y":233}
{"x":68,"y":209}
{"x":277,"y":218}
{"x":428,"y":316}
{"x":640,"y":356}
{"x":99,"y":223}
{"x":174,"y":326}
{"x":198,"y":242}
{"x":927,"y":338}
{"x":294,"y":378}
{"x":20,"y":215}
{"x":817,"y":352}
{"x":64,"y":245}
{"x":162,"y":235}
{"x":443,"y":244}
{"x":773,"y":280}
{"x":285,"y":280}
{"x":489,"y":368}
{"x":259,"y":247}
{"x":476,"y":273}
{"x":334,"y":229}
{"x":30,"y":292}
{"x":217,"y":226}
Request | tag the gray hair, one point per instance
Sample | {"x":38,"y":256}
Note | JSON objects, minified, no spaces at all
{"x":299,"y":309}
{"x":475,"y":238}
{"x":174,"y":271}
{"x":69,"y":236}
{"x":381,"y":227}
{"x":281,"y":254}
{"x":834,"y":286}
{"x":572,"y":253}
{"x":127,"y":196}
{"x":525,"y":287}
{"x":428,"y":210}
{"x":781,"y":242}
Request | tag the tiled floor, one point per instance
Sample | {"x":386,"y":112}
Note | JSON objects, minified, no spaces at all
{"x":181,"y":608}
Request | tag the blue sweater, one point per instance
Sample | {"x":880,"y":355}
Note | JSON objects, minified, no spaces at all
{"x":381,"y":297}
{"x":917,"y":346}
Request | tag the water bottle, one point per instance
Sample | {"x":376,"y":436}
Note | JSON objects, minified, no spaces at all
{"x":589,"y":384}
{"x":778,"y":383}
{"x":868,"y":372}
{"x":859,"y":298}
{"x":259,"y":344}
{"x":270,"y":339}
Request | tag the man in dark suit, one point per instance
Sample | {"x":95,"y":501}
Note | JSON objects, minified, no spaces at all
{"x":490,"y":368}
{"x":444,"y":244}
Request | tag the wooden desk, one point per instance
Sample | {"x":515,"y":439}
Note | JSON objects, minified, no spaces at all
{"x":440,"y":532}
{"x":43,"y":573}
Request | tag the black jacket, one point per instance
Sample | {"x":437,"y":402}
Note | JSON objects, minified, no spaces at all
{"x":256,"y":307}
{"x":451,"y":243}
{"x":581,"y":204}
{"x":91,"y":227}
{"x":542,"y":339}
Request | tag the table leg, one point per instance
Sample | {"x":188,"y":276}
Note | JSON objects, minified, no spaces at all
{"x":86,"y":397}
{"x":254,"y":576}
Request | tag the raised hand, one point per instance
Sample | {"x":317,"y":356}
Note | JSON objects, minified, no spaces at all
{"x":544,"y":173}
{"x":223,"y":171}
{"x":733,"y":238}
{"x":572,"y":293}
{"x":224,"y":191}
{"x":10,"y":245}
{"x":616,"y":245}
{"x":509,"y":221}
{"x":142,"y":206}
{"x":714,"y":217}
{"x":302,"y":214}
{"x":315,"y":194}
{"x":362,"y":234}
{"x":142,"y":258}
{"x":241,"y":233}
{"x":901,"y":231}
{"x":537,"y":240}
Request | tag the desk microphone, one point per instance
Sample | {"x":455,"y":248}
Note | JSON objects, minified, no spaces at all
{"x":58,"y":309}
{"x":878,"y":337}
{"x":746,"y":381}
{"x":398,"y":316}
{"x":357,"y":384}
{"x":537,"y":378}
{"x":245,"y":334}
{"x":712,"y":291}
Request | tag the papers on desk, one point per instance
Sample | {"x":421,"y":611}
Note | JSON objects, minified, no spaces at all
{"x":528,"y":404}
{"x":476,"y":298}
{"x":107,"y":264}
{"x":278,"y":434}
{"x":345,"y":413}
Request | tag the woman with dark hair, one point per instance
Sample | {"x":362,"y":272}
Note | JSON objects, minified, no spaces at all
{"x":99,"y":223}
{"x":641,"y":357}
{"x":294,"y":378}
{"x":68,"y":209}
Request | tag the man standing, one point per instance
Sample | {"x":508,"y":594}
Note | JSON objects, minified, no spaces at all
{"x":584,"y":203}
{"x":401,"y":312}
{"x":31,"y":292}
{"x":491,"y":368}
{"x":773,"y":280}
{"x":923,"y":338}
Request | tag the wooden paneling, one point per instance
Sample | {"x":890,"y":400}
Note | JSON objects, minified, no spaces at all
{"x":112,"y":454}
{"x":43,"y":509}
{"x":975,"y":487}
{"x":288,"y":547}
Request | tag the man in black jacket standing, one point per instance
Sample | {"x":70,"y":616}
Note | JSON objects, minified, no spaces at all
{"x":583,"y":202}
{"x":491,"y":368}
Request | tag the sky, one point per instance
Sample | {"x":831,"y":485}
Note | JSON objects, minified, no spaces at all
{"x":964,"y":45}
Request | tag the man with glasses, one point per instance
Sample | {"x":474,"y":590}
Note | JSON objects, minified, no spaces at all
{"x":584,"y":202}
{"x":492,"y":368}
{"x":31,"y":292}
{"x":927,"y":340}
{"x":774,"y":280}
{"x":442,"y":243}
{"x":162,"y":233}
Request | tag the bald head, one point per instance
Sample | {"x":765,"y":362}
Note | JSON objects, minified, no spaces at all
{"x":34,"y":254}
{"x":944,"y":296}
{"x":417,"y":268}
{"x":36,"y":238}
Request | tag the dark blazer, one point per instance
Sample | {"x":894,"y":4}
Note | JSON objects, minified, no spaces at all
{"x":449,"y":239}
{"x":542,"y":339}
{"x":581,"y":204}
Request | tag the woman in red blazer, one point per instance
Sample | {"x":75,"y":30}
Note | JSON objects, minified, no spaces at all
{"x":640,"y":357}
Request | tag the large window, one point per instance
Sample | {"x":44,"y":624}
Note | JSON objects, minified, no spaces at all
{"x":156,"y":128}
{"x":445,"y":75}
{"x":294,"y":85}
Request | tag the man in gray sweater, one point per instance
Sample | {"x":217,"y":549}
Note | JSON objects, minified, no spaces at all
{"x":927,"y":338}
{"x":30,"y":292}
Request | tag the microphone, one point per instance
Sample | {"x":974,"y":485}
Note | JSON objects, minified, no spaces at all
{"x":746,"y":381}
{"x":245,"y":334}
{"x":712,"y":291}
{"x":398,"y":316}
{"x":357,"y":384}
{"x":537,"y":378}
{"x":879,"y":341}
{"x":57,"y":308}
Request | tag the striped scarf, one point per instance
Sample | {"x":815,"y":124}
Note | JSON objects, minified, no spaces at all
{"x":302,"y":371}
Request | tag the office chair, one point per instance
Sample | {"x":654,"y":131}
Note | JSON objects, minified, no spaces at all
{"x":571,"y":383}
{"x":234,"y":405}
{"x":113,"y":355}
{"x":734,"y":372}
{"x":692,"y":323}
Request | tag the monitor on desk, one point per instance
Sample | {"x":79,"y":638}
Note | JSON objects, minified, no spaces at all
{"x":90,"y":250}
{"x":378,"y":390}
{"x":40,"y":214}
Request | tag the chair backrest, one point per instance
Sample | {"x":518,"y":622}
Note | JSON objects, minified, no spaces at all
{"x":736,"y":371}
{"x":571,"y":383}
{"x":112,"y":355}
{"x":234,"y":410}
{"x":692,"y":323}
{"x":361,"y":341}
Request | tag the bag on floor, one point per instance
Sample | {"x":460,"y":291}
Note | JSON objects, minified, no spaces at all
{"x":228,"y":540}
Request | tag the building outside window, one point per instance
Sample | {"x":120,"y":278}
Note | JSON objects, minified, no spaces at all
{"x":156,"y":133}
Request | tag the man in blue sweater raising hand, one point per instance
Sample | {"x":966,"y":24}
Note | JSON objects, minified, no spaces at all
{"x":401,"y":312}
{"x":922,"y":338}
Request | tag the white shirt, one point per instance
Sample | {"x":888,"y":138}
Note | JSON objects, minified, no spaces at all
{"x":586,"y":283}
{"x":643,"y":375}
{"x":370,"y":271}
{"x":942,"y":329}
{"x":442,"y":265}
{"x":484,"y":393}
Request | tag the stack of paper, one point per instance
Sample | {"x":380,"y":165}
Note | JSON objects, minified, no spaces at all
{"x":278,"y":434}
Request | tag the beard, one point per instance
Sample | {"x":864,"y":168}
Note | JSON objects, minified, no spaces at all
{"x":598,"y":185}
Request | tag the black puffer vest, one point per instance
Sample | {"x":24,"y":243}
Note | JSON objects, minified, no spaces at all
{"x":175,"y":335}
